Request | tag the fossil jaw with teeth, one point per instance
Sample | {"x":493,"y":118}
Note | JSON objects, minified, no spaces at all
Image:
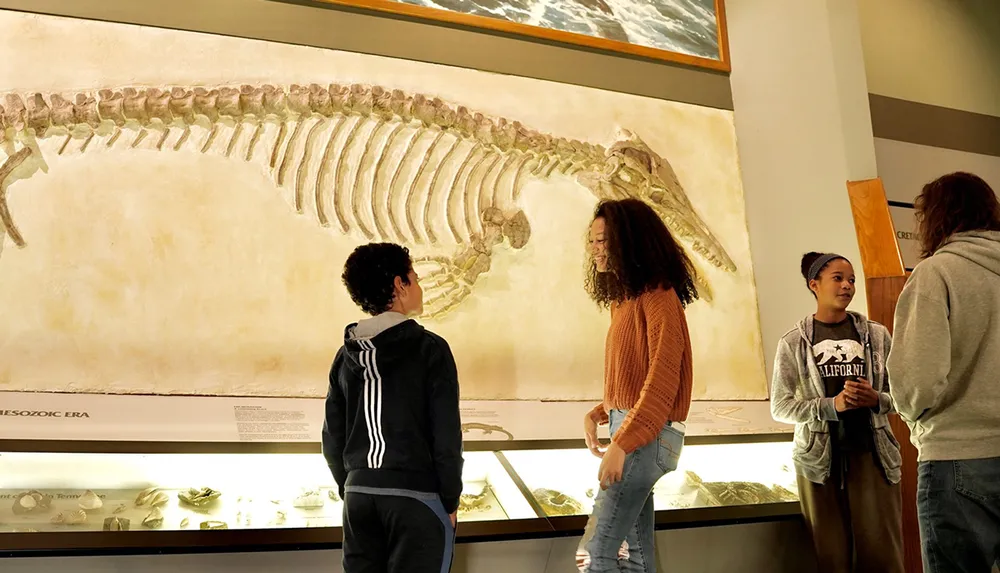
{"x":421,"y":171}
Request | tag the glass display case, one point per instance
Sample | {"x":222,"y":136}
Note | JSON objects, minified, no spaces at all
{"x":564,"y":482}
{"x":73,"y":503}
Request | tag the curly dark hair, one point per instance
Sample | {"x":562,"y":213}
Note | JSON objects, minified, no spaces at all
{"x":642,"y":256}
{"x":370,"y":274}
{"x":954,"y":203}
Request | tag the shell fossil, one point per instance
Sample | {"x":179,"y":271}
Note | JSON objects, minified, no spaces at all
{"x":213,"y":525}
{"x":31,"y":502}
{"x":115,"y":523}
{"x":120,"y":508}
{"x":75,"y":517}
{"x":90,"y":501}
{"x":158,"y":499}
{"x":185,"y":522}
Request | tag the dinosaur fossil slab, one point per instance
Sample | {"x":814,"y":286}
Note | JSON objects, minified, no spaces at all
{"x":176,"y":224}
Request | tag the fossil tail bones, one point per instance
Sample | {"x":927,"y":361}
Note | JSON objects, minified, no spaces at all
{"x":365,"y":160}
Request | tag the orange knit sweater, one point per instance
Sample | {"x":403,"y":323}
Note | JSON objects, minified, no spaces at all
{"x":647,"y":367}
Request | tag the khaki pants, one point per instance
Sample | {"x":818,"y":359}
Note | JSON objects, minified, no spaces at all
{"x":857,"y":527}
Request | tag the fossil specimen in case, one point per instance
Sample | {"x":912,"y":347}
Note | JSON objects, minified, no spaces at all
{"x":76,"y":517}
{"x":116,"y":524}
{"x":90,"y":501}
{"x":154,"y":520}
{"x":199,"y":497}
{"x":31,"y":502}
{"x":557,"y":503}
{"x":145,"y":496}
{"x":365,"y":160}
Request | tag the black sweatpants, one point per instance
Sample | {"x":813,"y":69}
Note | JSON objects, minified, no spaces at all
{"x":396,"y":534}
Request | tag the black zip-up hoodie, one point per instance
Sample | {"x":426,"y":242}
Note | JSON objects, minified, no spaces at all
{"x":392,"y":414}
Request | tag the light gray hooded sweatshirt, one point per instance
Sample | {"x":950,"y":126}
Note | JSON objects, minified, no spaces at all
{"x":945,"y":359}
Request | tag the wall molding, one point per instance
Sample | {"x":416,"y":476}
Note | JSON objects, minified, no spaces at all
{"x":934,"y":126}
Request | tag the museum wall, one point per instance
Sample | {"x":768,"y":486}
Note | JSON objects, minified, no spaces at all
{"x":803,"y":129}
{"x":939,"y":52}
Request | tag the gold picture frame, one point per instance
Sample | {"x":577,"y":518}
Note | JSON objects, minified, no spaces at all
{"x":402,"y":8}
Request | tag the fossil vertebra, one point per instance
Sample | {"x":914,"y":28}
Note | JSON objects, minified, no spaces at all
{"x":90,"y":501}
{"x":366,"y":160}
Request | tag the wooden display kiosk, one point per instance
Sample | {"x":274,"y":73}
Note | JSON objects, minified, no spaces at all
{"x":885,"y":276}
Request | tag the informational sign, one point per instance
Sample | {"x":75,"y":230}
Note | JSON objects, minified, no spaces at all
{"x":103,"y":417}
{"x":905,"y":222}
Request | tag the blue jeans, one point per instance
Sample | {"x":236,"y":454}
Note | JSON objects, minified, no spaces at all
{"x":958,"y":505}
{"x":619,"y":534}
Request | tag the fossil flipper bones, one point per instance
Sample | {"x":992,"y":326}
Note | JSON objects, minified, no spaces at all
{"x":374,"y":163}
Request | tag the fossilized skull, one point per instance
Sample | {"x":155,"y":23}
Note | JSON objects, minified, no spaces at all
{"x":633,"y":169}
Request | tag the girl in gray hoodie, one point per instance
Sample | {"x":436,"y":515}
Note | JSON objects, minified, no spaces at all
{"x":945,"y":370}
{"x":830,"y":381}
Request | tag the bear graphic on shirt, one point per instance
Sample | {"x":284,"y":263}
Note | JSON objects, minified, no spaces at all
{"x":838,"y":351}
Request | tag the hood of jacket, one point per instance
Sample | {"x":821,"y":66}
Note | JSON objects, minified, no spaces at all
{"x":387,"y":334}
{"x":978,"y":247}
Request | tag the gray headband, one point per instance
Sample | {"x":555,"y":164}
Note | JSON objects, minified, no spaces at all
{"x":821,"y":262}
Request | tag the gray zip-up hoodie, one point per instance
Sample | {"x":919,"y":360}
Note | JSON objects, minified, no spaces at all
{"x":798,"y":397}
{"x":945,"y":364}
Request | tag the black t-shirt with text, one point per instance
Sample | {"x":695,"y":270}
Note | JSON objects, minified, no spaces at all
{"x":840,"y":356}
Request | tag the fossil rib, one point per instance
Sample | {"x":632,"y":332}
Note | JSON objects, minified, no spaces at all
{"x":237,"y":131}
{"x":5,"y":170}
{"x":254,"y":139}
{"x":427,"y":226}
{"x":300,"y":173}
{"x":414,"y":185}
{"x":395,"y":177}
{"x":472,"y":205}
{"x":282,"y":133}
{"x":380,"y":223}
{"x":356,"y":195}
{"x":183,"y":138}
{"x":286,"y":161}
{"x":338,"y":187}
{"x":449,"y":209}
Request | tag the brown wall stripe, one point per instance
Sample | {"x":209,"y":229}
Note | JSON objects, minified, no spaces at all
{"x":935,"y":126}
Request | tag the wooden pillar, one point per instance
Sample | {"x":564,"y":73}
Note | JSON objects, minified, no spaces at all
{"x":885,"y":278}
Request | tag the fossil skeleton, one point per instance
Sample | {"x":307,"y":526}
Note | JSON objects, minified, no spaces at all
{"x":367,"y":161}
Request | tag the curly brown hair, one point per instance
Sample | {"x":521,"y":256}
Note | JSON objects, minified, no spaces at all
{"x":954,"y":203}
{"x":642,"y":256}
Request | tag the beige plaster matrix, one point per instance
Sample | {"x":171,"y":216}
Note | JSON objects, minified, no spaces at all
{"x":474,"y":194}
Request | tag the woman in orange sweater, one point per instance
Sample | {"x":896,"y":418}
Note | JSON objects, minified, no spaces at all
{"x":643,"y":275}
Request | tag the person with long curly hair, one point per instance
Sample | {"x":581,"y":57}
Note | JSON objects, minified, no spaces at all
{"x":830,"y":381}
{"x":945,"y":367}
{"x":639,"y":272}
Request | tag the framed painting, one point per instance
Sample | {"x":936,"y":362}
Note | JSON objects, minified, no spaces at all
{"x":688,"y":32}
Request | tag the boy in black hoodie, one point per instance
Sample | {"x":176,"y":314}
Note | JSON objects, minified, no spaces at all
{"x":392,"y":435}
